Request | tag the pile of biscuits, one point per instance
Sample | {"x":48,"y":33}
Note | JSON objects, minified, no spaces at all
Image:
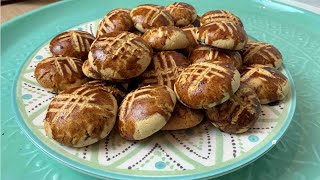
{"x":157,"y":68}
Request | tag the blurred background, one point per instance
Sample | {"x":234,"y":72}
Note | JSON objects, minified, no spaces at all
{"x":12,"y":8}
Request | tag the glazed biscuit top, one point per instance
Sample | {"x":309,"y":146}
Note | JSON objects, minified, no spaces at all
{"x":191,"y":32}
{"x":149,"y":16}
{"x":164,"y":68}
{"x":261,"y":53}
{"x":80,"y":41}
{"x":60,"y":72}
{"x":183,"y":14}
{"x":218,"y":16}
{"x":115,"y":20}
{"x":76,"y":108}
{"x":205,"y":84}
{"x":121,"y":55}
{"x":224,"y":34}
{"x":146,"y":102}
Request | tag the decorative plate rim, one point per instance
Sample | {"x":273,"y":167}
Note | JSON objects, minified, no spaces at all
{"x":105,"y":174}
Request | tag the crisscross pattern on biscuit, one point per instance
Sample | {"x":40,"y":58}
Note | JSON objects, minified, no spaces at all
{"x":223,"y":34}
{"x":117,"y":19}
{"x":218,"y":16}
{"x":152,"y":16}
{"x":64,"y":104}
{"x":156,"y":94}
{"x":165,"y":71}
{"x":80,"y":40}
{"x":261,"y":53}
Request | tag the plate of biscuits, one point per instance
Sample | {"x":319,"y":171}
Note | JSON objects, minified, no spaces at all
{"x":156,"y":91}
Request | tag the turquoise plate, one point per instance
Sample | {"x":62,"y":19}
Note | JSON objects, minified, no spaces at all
{"x":196,"y":153}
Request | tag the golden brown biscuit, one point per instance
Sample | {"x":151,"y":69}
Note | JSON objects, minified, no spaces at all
{"x":148,"y":16}
{"x":224,"y":35}
{"x":269,"y":83}
{"x":72,"y":43}
{"x":206,"y":53}
{"x":183,"y":14}
{"x":81,"y":116}
{"x":183,"y":118}
{"x":191,"y":32}
{"x":118,"y":56}
{"x":164,"y":69}
{"x":204,"y":84}
{"x":218,"y":16}
{"x":238,"y":114}
{"x":166,"y":38}
{"x":261,"y":53}
{"x":117,"y":91}
{"x":115,"y":20}
{"x":145,"y":111}
{"x":60,"y":73}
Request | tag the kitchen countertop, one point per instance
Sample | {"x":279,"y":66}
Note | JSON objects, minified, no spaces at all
{"x":11,"y":9}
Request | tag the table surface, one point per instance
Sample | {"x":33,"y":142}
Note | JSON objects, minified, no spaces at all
{"x":11,"y":9}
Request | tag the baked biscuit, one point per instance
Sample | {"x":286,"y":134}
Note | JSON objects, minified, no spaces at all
{"x":183,"y":14}
{"x":205,"y":84}
{"x":81,"y":116}
{"x":183,"y":118}
{"x":148,"y":16}
{"x":224,"y":35}
{"x":261,"y":53}
{"x":166,"y":38}
{"x":269,"y":83}
{"x":206,"y":53}
{"x":60,"y":73}
{"x":164,"y":69}
{"x":218,"y":16}
{"x":115,"y":20}
{"x":117,"y":91}
{"x":238,"y":114}
{"x":191,"y":32}
{"x":145,"y":111}
{"x":118,"y":56}
{"x":72,"y":43}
